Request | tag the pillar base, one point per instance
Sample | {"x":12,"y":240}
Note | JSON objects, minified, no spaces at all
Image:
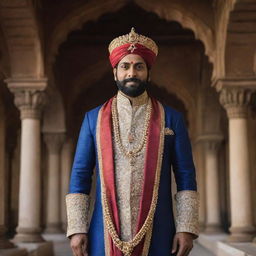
{"x":28,"y":238}
{"x":38,"y":249}
{"x":241,"y":234}
{"x":213,"y":229}
{"x":28,"y":235}
{"x":6,"y":244}
{"x":14,"y":252}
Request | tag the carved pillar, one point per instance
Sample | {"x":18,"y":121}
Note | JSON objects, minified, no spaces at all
{"x":54,"y":143}
{"x":66,"y":164}
{"x":29,"y":100}
{"x":211,"y":145}
{"x":236,"y":102}
{"x":200,"y":169}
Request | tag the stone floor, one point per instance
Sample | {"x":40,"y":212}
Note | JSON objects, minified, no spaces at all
{"x":61,"y":247}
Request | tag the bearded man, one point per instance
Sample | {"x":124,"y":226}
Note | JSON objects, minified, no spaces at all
{"x":133,"y":141}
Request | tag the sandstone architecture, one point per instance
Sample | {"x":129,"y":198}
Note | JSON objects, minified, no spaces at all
{"x":54,"y":67}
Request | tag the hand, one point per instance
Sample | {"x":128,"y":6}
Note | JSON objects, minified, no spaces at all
{"x":78,"y":244}
{"x":183,"y":243}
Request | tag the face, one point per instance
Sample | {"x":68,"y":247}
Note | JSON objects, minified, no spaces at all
{"x":131,"y":75}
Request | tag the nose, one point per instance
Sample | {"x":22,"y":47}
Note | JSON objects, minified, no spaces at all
{"x":132,"y":72}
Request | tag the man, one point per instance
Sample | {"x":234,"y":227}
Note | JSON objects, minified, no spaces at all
{"x":133,"y":140}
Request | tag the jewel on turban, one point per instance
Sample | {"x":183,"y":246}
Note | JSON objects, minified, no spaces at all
{"x":132,"y":43}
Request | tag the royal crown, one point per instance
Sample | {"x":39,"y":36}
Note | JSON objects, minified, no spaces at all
{"x":133,"y":38}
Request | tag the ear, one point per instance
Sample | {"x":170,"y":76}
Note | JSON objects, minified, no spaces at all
{"x":115,"y":73}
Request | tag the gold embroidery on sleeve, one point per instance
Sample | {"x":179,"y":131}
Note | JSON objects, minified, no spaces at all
{"x":187,"y":204}
{"x":77,"y":213}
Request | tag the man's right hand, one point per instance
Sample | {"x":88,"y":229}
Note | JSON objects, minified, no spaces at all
{"x":78,"y":243}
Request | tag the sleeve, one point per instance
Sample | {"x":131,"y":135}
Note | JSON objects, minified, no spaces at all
{"x":77,"y":201}
{"x":187,"y":197}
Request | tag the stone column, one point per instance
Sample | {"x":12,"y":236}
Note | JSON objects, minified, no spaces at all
{"x":30,"y":103}
{"x":236,"y":102}
{"x":66,"y":165}
{"x":211,"y":145}
{"x":200,"y":169}
{"x":54,"y":143}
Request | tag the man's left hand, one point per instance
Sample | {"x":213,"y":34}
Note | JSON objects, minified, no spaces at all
{"x":183,"y":243}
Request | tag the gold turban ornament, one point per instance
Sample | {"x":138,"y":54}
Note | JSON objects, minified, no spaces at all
{"x":132,"y":43}
{"x":133,"y":38}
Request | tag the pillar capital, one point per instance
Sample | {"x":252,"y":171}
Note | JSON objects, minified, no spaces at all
{"x":211,"y":141}
{"x":54,"y":141}
{"x":236,"y":101}
{"x":29,"y":95}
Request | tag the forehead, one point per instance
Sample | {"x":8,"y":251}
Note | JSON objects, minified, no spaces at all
{"x":132,"y":58}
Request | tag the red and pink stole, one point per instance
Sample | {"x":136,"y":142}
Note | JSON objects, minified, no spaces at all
{"x":154,"y":151}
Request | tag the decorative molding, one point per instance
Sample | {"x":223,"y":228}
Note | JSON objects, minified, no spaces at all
{"x":30,"y":103}
{"x":29,"y":96}
{"x":236,"y":101}
{"x":211,"y":141}
{"x":242,"y":82}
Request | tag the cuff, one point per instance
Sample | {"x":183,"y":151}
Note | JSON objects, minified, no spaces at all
{"x":187,"y":205}
{"x":77,"y":213}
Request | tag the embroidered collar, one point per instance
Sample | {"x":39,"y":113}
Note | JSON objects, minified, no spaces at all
{"x":134,"y":101}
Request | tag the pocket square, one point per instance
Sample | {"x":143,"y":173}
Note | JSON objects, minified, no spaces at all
{"x":168,"y":131}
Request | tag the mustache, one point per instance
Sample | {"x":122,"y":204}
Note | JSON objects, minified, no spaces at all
{"x":132,"y":79}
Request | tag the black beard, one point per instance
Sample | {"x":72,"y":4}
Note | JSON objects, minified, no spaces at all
{"x":133,"y":90}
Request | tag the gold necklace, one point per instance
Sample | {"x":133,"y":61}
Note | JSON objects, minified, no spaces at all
{"x":117,"y":137}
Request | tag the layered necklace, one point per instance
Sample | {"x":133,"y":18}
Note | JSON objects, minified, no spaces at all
{"x":130,"y":154}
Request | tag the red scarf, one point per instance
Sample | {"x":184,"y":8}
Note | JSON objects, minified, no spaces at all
{"x":150,"y":167}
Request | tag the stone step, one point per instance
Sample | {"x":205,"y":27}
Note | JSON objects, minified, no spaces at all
{"x":199,"y":250}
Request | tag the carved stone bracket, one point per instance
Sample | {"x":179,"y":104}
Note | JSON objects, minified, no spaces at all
{"x":29,"y":96}
{"x":236,"y":101}
{"x":30,"y":103}
{"x":211,"y":141}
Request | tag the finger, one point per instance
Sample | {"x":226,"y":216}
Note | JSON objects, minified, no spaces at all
{"x":80,"y":251}
{"x":74,"y":252}
{"x":182,"y":250}
{"x":187,"y":251}
{"x":85,"y":249}
{"x":174,"y":244}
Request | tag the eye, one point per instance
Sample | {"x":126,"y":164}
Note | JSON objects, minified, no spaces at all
{"x":140,"y":67}
{"x":124,"y":66}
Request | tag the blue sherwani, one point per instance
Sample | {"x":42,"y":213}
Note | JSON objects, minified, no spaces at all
{"x":177,"y":154}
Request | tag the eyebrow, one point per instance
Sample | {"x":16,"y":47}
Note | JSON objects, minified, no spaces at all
{"x":134,"y":63}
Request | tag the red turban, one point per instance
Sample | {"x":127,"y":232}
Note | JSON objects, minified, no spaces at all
{"x":120,"y":52}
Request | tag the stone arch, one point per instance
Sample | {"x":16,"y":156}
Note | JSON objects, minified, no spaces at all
{"x":21,"y":31}
{"x":90,"y":11}
{"x":222,"y":14}
{"x":176,"y":12}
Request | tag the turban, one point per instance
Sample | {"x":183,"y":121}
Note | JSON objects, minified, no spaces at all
{"x":132,"y":43}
